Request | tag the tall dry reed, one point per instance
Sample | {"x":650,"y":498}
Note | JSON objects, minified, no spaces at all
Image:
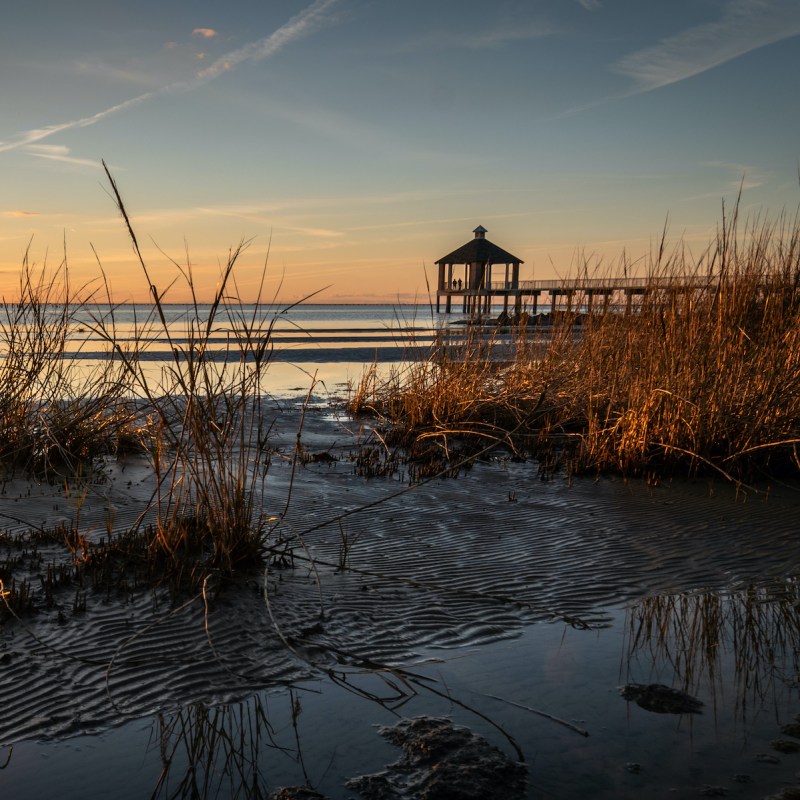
{"x":706,"y":376}
{"x":207,"y":435}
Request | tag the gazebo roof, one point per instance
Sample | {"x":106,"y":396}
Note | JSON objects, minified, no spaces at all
{"x":480,"y":251}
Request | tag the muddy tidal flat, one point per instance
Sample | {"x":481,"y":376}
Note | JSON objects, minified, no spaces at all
{"x":512,"y":607}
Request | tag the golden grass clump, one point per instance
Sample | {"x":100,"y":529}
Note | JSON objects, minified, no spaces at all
{"x":457,"y":390}
{"x":704,"y":372}
{"x":50,"y":426}
{"x":707,"y":375}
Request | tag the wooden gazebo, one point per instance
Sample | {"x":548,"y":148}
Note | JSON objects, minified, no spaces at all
{"x":473,"y":282}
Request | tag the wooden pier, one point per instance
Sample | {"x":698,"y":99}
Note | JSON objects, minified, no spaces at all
{"x":479,"y":261}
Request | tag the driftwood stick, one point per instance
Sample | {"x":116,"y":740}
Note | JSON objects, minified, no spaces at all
{"x":571,"y":726}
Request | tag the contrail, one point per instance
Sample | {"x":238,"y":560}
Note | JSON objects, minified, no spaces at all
{"x":37,"y":134}
{"x":305,"y":23}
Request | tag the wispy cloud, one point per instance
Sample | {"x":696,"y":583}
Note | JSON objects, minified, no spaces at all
{"x":295,"y":212}
{"x":314,"y":233}
{"x":503,"y":35}
{"x":57,"y":152}
{"x":303,"y":24}
{"x":205,"y":33}
{"x":732,"y":177}
{"x":486,"y":39}
{"x":16,"y":213}
{"x":357,"y":134}
{"x":745,"y":25}
{"x":133,"y":73}
{"x":591,"y":5}
{"x":276,"y":221}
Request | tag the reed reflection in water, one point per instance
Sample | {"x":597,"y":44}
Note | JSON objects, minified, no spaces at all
{"x":751,"y":633}
{"x":218,"y":751}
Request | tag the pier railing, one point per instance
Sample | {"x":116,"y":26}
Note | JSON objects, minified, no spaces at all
{"x":604,"y":284}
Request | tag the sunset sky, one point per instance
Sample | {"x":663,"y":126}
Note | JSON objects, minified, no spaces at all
{"x":360,"y":140}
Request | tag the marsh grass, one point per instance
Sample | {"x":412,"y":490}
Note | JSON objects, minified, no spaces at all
{"x":699,"y":379}
{"x":50,"y":426}
{"x":207,"y":438}
{"x":457,"y":399}
{"x":200,"y":420}
{"x":705,"y":378}
{"x":29,"y":581}
{"x":16,"y":597}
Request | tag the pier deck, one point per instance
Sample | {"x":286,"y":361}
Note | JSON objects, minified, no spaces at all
{"x":568,"y":292}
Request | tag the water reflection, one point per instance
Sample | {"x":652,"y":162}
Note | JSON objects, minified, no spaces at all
{"x":738,"y":650}
{"x":750,"y":636}
{"x":261,"y":745}
{"x":217,"y":751}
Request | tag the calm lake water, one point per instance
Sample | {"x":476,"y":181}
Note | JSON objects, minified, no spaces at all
{"x":496,"y":595}
{"x":333,"y":342}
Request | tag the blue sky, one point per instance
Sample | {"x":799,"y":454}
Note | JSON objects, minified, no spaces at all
{"x":357,"y":141}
